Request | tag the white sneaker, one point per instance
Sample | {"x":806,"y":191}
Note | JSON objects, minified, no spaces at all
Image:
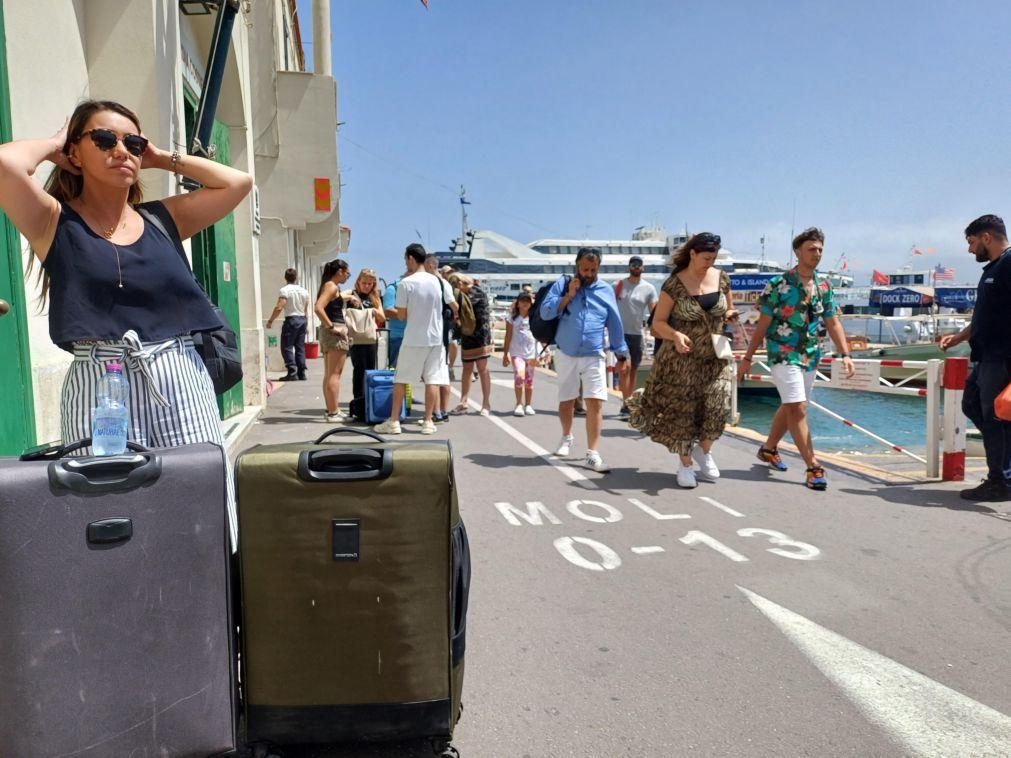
{"x":335,"y":418}
{"x":707,"y":466}
{"x":485,"y":412}
{"x":427,"y":427}
{"x":518,"y":411}
{"x":595,"y":462}
{"x":388,"y":427}
{"x":562,"y":451}
{"x":686,"y":478}
{"x":530,"y":411}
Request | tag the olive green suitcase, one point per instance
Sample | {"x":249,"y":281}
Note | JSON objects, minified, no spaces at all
{"x":355,"y":575}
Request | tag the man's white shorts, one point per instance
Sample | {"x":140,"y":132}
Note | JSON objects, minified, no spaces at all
{"x":793,"y":382}
{"x":422,"y":364}
{"x":592,"y":370}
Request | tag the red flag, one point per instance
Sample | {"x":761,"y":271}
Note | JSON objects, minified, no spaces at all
{"x":425,"y":3}
{"x":917,"y":251}
{"x":878,"y":278}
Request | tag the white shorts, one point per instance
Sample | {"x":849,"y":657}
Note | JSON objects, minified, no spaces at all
{"x":592,"y":370}
{"x":422,"y":364}
{"x":795,"y":385}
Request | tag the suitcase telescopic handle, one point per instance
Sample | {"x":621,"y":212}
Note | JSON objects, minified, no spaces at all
{"x":345,"y":464}
{"x":61,"y":451}
{"x":349,"y":430}
{"x":114,"y":473}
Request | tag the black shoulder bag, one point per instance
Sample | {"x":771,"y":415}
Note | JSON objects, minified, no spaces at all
{"x":218,"y":348}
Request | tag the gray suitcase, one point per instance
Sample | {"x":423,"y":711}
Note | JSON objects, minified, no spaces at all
{"x":116,"y":630}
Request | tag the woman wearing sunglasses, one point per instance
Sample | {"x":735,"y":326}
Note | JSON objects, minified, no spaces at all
{"x":117,"y":287}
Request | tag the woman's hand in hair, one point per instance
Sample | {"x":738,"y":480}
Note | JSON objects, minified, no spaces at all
{"x":59,"y":157}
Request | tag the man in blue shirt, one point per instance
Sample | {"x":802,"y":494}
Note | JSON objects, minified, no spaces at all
{"x":587,"y":307}
{"x":990,"y":342}
{"x":394,"y":323}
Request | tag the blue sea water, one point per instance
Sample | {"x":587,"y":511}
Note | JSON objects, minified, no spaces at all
{"x":900,"y":420}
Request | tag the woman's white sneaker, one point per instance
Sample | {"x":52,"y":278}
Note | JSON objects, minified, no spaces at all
{"x":530,"y":411}
{"x":427,"y":427}
{"x":707,"y":466}
{"x":686,"y":478}
{"x":518,"y":411}
{"x":596,"y":463}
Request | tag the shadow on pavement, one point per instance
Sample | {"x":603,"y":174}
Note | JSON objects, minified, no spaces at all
{"x":928,"y":498}
{"x":490,"y":460}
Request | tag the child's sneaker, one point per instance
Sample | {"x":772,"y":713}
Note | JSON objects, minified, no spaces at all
{"x":765,"y":455}
{"x":388,"y":427}
{"x":816,"y":478}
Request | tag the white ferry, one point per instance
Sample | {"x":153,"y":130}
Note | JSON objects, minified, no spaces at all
{"x":505,"y":266}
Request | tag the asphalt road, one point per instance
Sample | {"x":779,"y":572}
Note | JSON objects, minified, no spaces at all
{"x":618,"y":615}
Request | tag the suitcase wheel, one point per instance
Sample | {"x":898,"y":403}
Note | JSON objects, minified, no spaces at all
{"x":443,"y":748}
{"x":263,"y":751}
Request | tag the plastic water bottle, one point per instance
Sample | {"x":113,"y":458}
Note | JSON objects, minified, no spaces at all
{"x":111,"y":415}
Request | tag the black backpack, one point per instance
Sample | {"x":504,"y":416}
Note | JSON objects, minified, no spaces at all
{"x":544,"y":330}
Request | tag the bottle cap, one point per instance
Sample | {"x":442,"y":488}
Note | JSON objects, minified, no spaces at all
{"x":113,"y":366}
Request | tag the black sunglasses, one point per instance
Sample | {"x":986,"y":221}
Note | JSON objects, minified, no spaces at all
{"x":106,"y":139}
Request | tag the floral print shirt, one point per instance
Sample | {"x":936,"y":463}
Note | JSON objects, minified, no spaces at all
{"x":792,"y":337}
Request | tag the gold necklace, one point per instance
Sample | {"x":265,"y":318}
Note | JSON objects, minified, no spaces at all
{"x":107,"y":232}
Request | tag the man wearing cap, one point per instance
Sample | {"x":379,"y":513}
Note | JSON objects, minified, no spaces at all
{"x":636,"y":301}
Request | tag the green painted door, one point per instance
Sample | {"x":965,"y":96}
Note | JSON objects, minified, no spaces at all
{"x":214,"y":257}
{"x":17,"y":415}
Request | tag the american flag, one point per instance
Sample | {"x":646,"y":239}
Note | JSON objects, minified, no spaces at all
{"x":943,"y":273}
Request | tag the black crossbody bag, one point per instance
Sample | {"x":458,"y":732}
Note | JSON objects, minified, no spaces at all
{"x":218,"y":348}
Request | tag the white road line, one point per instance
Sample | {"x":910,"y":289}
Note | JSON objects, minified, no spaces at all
{"x":722,"y":507}
{"x":647,"y":549}
{"x":928,"y":718}
{"x":571,"y":473}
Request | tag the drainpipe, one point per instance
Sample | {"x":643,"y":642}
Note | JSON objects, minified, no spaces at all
{"x":218,"y":56}
{"x":322,"y":60}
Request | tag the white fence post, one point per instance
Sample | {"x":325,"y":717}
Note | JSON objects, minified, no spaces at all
{"x":933,"y":418}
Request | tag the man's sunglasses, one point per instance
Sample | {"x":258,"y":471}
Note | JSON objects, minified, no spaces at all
{"x":106,"y":139}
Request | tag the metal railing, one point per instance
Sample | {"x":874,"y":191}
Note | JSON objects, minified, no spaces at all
{"x":868,"y":378}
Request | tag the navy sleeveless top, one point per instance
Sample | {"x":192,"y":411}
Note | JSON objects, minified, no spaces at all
{"x":335,"y":309}
{"x":159,"y":299}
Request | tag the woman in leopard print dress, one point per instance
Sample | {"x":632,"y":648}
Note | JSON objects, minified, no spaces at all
{"x":685,"y":404}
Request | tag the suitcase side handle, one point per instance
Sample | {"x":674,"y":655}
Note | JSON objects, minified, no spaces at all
{"x":349,"y":430}
{"x":112,"y":474}
{"x":347,"y":464}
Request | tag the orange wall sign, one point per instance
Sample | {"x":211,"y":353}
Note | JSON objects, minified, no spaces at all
{"x":322,"y":191}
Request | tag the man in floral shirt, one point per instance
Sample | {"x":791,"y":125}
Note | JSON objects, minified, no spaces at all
{"x":792,"y":306}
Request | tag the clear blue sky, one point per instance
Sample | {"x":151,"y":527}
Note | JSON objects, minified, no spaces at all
{"x":886,"y":123}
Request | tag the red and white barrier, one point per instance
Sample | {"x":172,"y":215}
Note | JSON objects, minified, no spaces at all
{"x":956,"y":371}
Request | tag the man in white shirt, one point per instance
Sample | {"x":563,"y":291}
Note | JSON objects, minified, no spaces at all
{"x":420,"y":299}
{"x":293,"y":300}
{"x":636,"y":300}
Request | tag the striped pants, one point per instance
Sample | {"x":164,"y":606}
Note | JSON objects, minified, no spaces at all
{"x":172,"y":399}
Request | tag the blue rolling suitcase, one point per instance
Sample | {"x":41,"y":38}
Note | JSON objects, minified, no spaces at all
{"x":379,"y":396}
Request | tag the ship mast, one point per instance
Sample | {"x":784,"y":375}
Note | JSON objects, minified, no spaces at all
{"x":464,"y":202}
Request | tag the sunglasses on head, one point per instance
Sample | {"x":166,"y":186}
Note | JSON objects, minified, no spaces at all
{"x":106,"y":139}
{"x":707,"y":243}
